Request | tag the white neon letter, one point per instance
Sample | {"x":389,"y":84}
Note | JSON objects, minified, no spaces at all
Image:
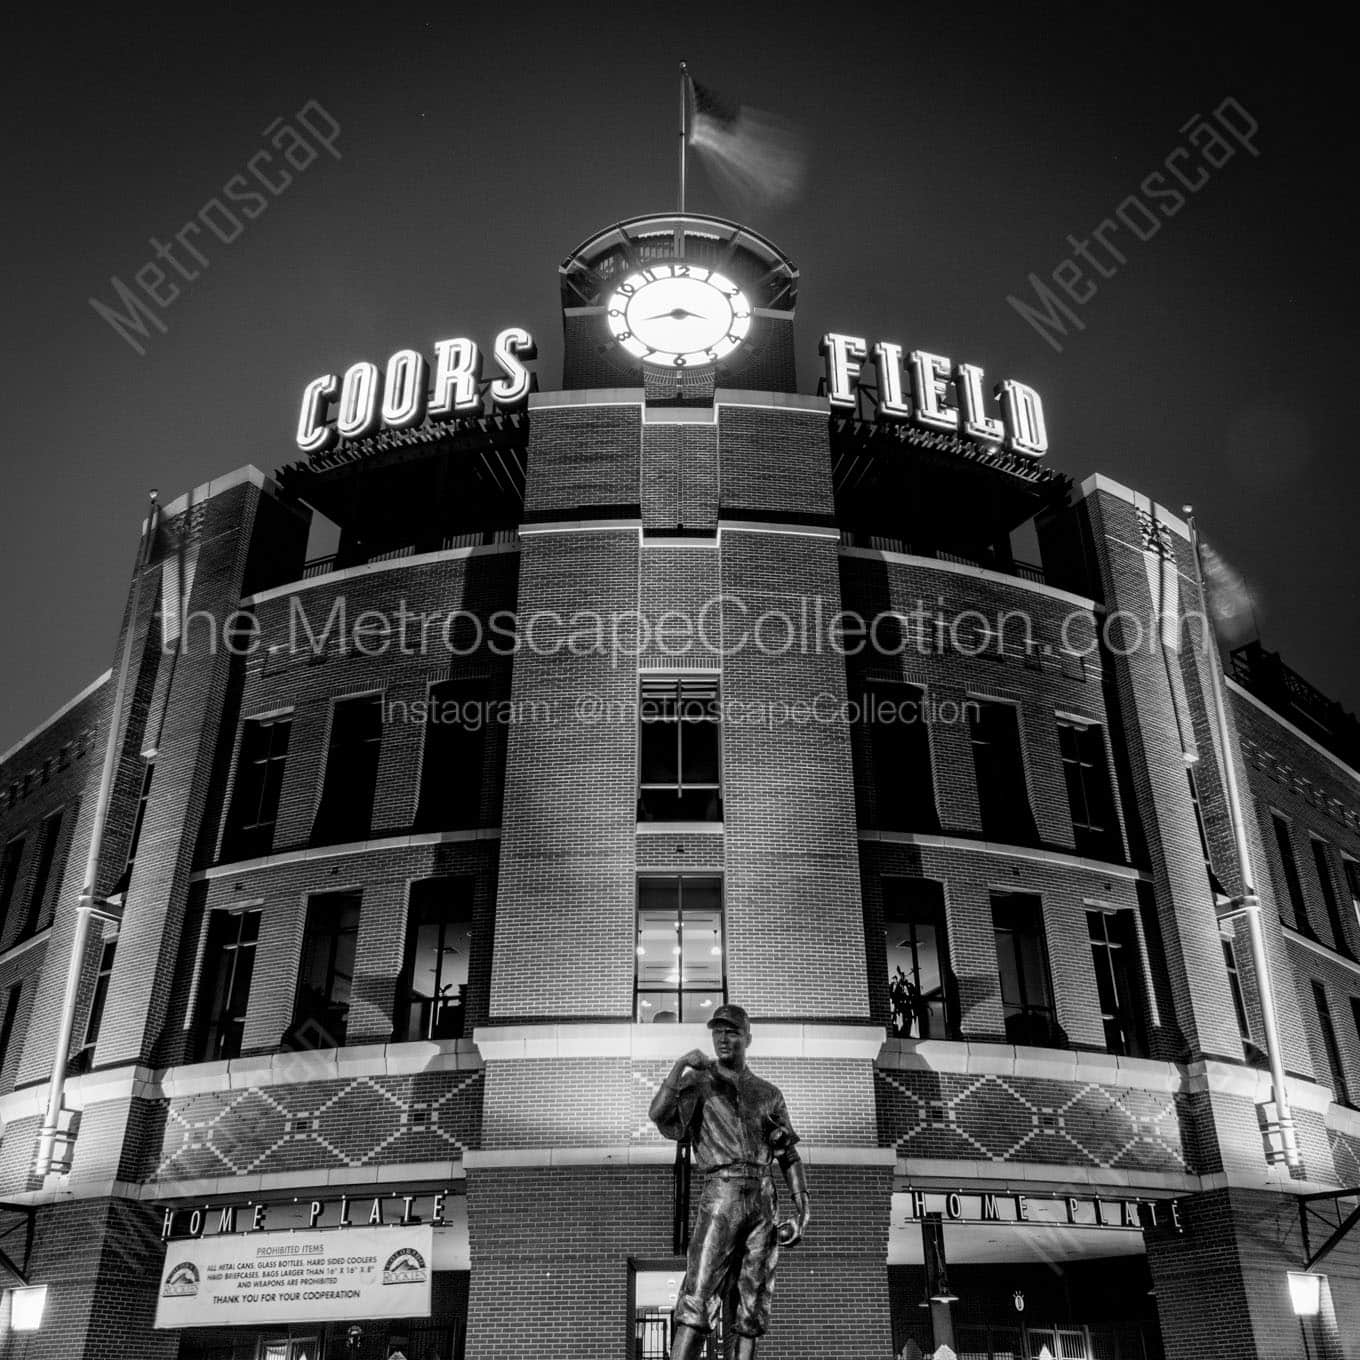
{"x":404,"y":391}
{"x":842,"y":354}
{"x":930,"y":385}
{"x":892,"y":399}
{"x":977,"y":424}
{"x":513,"y":389}
{"x":313,"y":434}
{"x":1024,"y":412}
{"x":457,"y":374}
{"x":358,"y":414}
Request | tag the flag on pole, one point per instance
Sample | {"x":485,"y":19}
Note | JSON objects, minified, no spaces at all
{"x":754,"y":158}
{"x":1231,"y":605}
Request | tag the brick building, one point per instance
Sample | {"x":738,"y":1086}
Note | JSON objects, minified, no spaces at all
{"x":396,"y":927}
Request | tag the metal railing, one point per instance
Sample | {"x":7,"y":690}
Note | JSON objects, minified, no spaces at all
{"x":473,"y":538}
{"x":854,"y":538}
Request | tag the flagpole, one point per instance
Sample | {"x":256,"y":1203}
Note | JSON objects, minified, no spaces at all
{"x":1249,"y":903}
{"x":683,"y":103}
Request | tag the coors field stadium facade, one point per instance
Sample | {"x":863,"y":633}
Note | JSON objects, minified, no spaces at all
{"x":354,"y":918}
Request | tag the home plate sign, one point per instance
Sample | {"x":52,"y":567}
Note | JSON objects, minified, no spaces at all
{"x":235,"y":1278}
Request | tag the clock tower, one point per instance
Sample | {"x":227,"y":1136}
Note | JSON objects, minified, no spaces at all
{"x":678,"y":304}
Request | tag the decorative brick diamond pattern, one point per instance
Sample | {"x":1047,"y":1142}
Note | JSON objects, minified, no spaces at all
{"x":318,"y":1125}
{"x":1014,"y":1119}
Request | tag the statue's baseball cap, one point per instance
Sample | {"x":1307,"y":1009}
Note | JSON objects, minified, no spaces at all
{"x":735,"y":1016}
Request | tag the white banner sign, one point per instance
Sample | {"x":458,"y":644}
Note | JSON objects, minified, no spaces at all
{"x":248,"y":1279}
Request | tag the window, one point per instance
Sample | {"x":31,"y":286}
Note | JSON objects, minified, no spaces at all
{"x":1022,"y":959}
{"x":899,"y":756}
{"x":7,"y":1023}
{"x":1089,"y":797}
{"x":1355,"y":1016}
{"x":1003,"y":799}
{"x":1353,"y":884}
{"x":9,"y":875}
{"x":136,"y":838}
{"x":455,"y":743}
{"x":919,"y":990}
{"x":1114,"y":951}
{"x":680,"y":972}
{"x":432,"y":990}
{"x":228,"y":966}
{"x":346,"y":811}
{"x":42,"y":874}
{"x":97,"y":1003}
{"x":1235,"y":987}
{"x":1330,"y":1044}
{"x":678,"y":758}
{"x":326,"y":972}
{"x":1291,"y":873}
{"x":1324,"y":873}
{"x":259,"y":779}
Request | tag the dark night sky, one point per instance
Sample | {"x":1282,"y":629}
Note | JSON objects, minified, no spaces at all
{"x":952,"y":149}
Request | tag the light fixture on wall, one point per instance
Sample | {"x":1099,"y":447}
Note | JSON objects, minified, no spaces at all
{"x":26,"y":1307}
{"x":1305,"y":1293}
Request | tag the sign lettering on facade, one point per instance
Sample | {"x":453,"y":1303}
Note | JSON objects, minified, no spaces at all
{"x":1082,"y":1211}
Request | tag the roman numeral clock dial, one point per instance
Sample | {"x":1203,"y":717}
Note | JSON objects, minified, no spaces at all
{"x":678,"y":315}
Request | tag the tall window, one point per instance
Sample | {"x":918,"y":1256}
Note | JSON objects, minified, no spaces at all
{"x":451,"y":768}
{"x":9,"y":875}
{"x":346,"y":811}
{"x":432,"y":989}
{"x":1330,"y":1044}
{"x":1003,"y":798}
{"x":680,"y":973}
{"x":42,"y":874}
{"x":899,"y":755}
{"x":1082,"y":746}
{"x":11,"y":1010}
{"x":1235,"y":987}
{"x":1355,"y":1016}
{"x":1323,"y":866}
{"x":1022,"y":959}
{"x":326,"y":972}
{"x":1353,"y":885}
{"x":1291,"y":873}
{"x":259,"y":779}
{"x":1114,"y":951}
{"x":678,"y":755}
{"x":97,"y":1003}
{"x":228,"y":968}
{"x":919,"y":991}
{"x":134,"y":842}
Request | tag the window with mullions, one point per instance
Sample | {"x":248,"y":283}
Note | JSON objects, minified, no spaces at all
{"x":42,"y":875}
{"x":1022,"y":960}
{"x":919,"y":990}
{"x":1285,"y":844}
{"x":85,"y":1055}
{"x":899,"y":758}
{"x":259,"y":780}
{"x":1235,"y":987}
{"x":678,"y":752}
{"x":325,"y":972}
{"x":451,"y":767}
{"x":346,"y":811}
{"x":1114,"y":952}
{"x":680,"y":961}
{"x":1003,"y":797}
{"x":432,"y":990}
{"x":1329,"y":1042}
{"x":11,"y":1011}
{"x":1352,"y":871}
{"x":134,"y":842}
{"x":1322,"y":864}
{"x":1089,"y":797}
{"x":229,"y":967}
{"x":9,"y":876}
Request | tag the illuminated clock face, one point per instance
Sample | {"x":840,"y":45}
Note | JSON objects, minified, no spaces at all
{"x":678,"y":315}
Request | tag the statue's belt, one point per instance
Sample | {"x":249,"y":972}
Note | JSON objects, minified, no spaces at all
{"x":741,"y":1171}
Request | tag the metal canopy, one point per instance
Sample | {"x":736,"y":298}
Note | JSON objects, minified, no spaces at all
{"x":1334,"y":1212}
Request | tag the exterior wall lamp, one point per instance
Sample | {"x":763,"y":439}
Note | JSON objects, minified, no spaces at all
{"x":1305,"y":1293}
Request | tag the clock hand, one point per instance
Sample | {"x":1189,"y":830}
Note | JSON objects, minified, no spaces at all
{"x":676,"y":314}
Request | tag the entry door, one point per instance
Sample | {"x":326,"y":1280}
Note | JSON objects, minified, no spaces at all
{"x":290,"y":1348}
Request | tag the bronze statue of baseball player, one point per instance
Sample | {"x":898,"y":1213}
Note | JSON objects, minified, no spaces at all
{"x":737,"y":1125}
